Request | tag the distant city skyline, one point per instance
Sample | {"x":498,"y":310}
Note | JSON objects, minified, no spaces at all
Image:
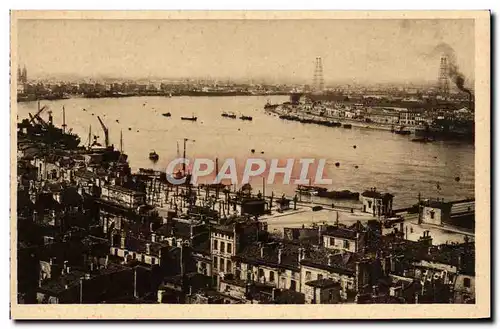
{"x":283,"y":51}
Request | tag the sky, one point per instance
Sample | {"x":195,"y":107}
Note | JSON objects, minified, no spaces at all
{"x":356,"y":51}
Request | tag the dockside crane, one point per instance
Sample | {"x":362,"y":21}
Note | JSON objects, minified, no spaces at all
{"x":106,"y":132}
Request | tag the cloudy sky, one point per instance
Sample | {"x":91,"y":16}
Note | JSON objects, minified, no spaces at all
{"x":283,"y":50}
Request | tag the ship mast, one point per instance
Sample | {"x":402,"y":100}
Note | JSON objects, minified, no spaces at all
{"x":184,"y":157}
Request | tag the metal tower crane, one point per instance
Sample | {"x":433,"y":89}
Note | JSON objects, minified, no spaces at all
{"x":106,"y":132}
{"x":37,"y":115}
{"x":184,"y":153}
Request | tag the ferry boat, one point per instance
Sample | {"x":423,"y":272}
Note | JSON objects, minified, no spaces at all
{"x":339,"y":195}
{"x":228,"y":115}
{"x":167,"y":114}
{"x":246,"y":117}
{"x":310,"y":190}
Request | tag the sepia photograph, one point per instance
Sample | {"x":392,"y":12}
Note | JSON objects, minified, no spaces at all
{"x":296,"y":164}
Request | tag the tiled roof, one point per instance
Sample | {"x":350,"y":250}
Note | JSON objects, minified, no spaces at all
{"x":376,"y":195}
{"x":139,"y":245}
{"x":60,"y":284}
{"x":340,"y":263}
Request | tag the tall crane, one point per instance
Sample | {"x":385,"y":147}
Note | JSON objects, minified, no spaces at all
{"x":106,"y":132}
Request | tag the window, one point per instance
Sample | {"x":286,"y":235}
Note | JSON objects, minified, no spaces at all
{"x":222,"y":246}
{"x":215,"y":245}
{"x":308,"y":276}
{"x":261,"y":273}
{"x":134,"y":255}
{"x":332,"y":241}
{"x":467,"y":282}
{"x":229,"y":266}
{"x":320,"y":276}
{"x":221,"y":264}
{"x":271,"y":276}
{"x":215,"y":262}
{"x":369,"y":204}
{"x":153,"y":261}
{"x":432,"y":214}
{"x":293,"y":285}
{"x":346,"y":244}
{"x":229,"y":248}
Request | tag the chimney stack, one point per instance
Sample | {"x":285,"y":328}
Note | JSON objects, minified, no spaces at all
{"x":301,"y":254}
{"x":330,"y":260}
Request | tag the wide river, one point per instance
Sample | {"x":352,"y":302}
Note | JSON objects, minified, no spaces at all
{"x":389,"y":162}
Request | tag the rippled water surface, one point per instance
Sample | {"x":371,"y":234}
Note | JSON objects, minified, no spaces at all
{"x":389,"y":162}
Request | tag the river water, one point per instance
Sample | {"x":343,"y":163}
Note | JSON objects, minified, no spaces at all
{"x":389,"y":162}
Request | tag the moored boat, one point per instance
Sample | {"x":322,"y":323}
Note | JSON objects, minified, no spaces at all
{"x":344,"y":194}
{"x":310,"y":190}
